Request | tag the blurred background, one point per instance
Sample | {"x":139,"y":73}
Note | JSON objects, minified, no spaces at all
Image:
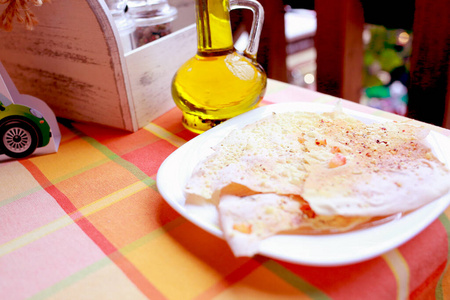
{"x":387,"y":40}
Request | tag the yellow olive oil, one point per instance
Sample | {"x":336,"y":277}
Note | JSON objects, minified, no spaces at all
{"x":218,"y":83}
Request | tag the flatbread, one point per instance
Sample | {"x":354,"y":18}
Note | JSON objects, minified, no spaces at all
{"x":345,"y":171}
{"x":266,"y":156}
{"x":247,"y":220}
{"x":390,"y":169}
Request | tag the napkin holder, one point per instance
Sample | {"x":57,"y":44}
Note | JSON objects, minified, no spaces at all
{"x":73,"y":60}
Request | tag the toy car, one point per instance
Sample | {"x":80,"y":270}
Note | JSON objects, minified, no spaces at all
{"x":22,"y":129}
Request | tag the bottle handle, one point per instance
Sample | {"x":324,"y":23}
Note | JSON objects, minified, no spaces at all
{"x":257,"y":24}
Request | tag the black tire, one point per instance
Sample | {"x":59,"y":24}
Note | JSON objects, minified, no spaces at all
{"x":18,"y":139}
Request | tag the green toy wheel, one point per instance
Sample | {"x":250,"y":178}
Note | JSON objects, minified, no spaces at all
{"x":18,"y":139}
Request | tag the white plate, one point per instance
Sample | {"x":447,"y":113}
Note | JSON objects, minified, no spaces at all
{"x":315,"y":250}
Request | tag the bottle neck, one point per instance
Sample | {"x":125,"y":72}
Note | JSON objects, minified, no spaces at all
{"x":213,"y":27}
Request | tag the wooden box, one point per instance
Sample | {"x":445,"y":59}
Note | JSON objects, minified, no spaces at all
{"x":73,"y":60}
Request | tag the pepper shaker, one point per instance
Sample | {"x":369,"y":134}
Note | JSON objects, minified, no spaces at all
{"x":153,"y":20}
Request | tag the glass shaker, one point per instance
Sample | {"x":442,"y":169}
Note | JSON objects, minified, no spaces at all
{"x":124,"y":23}
{"x":153,"y":19}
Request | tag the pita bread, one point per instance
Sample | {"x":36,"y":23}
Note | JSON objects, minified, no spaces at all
{"x":345,"y":171}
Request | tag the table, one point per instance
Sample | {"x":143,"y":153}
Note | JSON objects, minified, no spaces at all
{"x":88,"y":222}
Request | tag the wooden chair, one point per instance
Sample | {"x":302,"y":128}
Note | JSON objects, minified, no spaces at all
{"x":339,"y":49}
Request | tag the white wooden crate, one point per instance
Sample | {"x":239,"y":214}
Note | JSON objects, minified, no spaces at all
{"x":74,"y":62}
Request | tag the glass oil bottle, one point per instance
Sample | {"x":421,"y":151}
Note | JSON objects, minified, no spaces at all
{"x":219,"y":83}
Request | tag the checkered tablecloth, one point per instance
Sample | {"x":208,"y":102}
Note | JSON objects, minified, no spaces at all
{"x":88,"y":222}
